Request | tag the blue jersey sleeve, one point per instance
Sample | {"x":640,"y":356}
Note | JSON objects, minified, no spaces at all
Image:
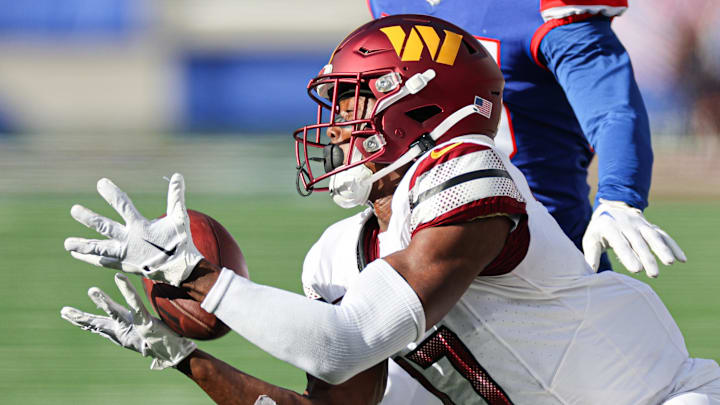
{"x":594,"y":69}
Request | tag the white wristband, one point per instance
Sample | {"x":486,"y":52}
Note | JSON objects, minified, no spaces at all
{"x":218,"y":290}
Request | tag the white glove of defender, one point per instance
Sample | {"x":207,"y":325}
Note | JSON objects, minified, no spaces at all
{"x":134,"y":329}
{"x":160,"y":249}
{"x":616,"y":225}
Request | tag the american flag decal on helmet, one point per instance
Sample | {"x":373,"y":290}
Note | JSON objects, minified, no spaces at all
{"x":484,"y":107}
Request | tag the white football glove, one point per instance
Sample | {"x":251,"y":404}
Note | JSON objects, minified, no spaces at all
{"x":133,"y":329}
{"x":616,"y":225}
{"x":160,"y":249}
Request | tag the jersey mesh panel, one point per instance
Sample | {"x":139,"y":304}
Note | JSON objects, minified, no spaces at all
{"x":310,"y":293}
{"x":463,"y":193}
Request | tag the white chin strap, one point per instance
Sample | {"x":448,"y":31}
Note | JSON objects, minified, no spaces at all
{"x":417,"y":150}
{"x":352,"y":187}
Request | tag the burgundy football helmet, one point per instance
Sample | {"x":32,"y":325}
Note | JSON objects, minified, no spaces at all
{"x":432,"y":81}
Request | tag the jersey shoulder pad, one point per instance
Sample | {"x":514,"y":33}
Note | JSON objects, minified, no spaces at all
{"x":558,"y":9}
{"x":331,"y":262}
{"x":460,"y":181}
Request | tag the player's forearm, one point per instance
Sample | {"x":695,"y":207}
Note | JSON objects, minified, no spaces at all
{"x":624,"y":167}
{"x":201,"y":280}
{"x":228,"y":386}
{"x":595,"y":71}
{"x":379,"y":315}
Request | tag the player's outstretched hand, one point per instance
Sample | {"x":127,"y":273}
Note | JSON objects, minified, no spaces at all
{"x":160,"y":249}
{"x":132,"y":328}
{"x":623,"y":228}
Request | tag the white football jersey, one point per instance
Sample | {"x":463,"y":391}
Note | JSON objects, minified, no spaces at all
{"x":549,"y":331}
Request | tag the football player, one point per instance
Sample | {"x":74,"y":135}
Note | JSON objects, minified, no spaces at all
{"x":570,"y":93}
{"x":461,"y":275}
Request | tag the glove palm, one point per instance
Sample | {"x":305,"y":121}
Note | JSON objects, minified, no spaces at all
{"x":132,"y":328}
{"x":623,"y":228}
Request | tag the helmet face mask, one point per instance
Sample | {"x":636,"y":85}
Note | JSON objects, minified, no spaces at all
{"x":328,"y":91}
{"x":421,"y":71}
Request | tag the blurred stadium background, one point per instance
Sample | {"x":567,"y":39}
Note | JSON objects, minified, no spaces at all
{"x":134,"y":90}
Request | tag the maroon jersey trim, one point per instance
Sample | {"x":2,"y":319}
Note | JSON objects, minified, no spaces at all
{"x":445,"y":343}
{"x":443,"y":397}
{"x":484,"y":207}
{"x":514,"y":251}
{"x":368,"y":249}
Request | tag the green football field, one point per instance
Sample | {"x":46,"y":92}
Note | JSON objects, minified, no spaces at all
{"x":45,"y":360}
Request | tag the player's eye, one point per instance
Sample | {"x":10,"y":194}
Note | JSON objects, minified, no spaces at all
{"x":339,"y":119}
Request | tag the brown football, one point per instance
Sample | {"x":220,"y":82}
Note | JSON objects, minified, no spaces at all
{"x":177,"y":309}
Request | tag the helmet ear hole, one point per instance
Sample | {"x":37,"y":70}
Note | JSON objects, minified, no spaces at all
{"x":472,"y":50}
{"x":424,"y":113}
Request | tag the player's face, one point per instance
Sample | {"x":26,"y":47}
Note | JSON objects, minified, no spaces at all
{"x":340,"y":135}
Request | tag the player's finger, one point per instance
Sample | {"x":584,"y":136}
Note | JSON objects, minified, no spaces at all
{"x":118,"y":200}
{"x":86,"y":321}
{"x":677,"y":251}
{"x":76,"y":317}
{"x":100,"y":261}
{"x":642,"y":251}
{"x":658,"y":245}
{"x":99,"y":325}
{"x":131,"y":297}
{"x":592,"y":248}
{"x":104,"y":226}
{"x":176,"y":198}
{"x":108,"y":305}
{"x":622,"y":249}
{"x":108,"y":247}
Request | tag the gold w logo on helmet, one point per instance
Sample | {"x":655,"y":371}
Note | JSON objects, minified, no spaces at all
{"x":413,"y":44}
